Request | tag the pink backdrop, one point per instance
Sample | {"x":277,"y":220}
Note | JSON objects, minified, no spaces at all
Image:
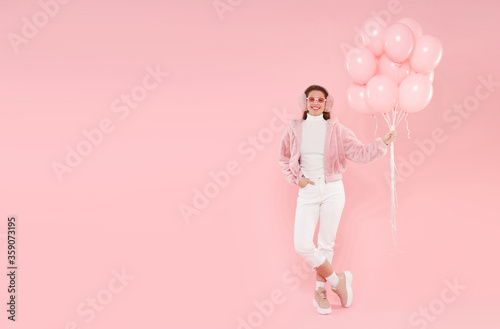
{"x":117,"y":115}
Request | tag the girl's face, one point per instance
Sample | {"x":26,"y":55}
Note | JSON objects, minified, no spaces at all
{"x":316,"y":108}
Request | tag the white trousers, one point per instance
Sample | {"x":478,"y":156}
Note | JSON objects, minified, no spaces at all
{"x":323,"y":200}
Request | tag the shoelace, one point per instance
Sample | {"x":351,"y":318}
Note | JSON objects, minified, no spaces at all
{"x":321,"y":295}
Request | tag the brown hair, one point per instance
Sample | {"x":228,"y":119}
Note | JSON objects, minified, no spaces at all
{"x":326,"y":115}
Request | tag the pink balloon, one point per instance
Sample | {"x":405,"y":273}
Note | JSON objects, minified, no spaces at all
{"x":398,"y":42}
{"x":382,"y":94}
{"x":356,"y":97}
{"x":361,"y":64}
{"x":427,"y":54}
{"x":372,"y":35}
{"x":413,"y":25}
{"x":415,"y":93}
{"x":396,"y":71}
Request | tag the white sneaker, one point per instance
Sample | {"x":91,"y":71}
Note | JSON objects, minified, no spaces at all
{"x":344,"y":289}
{"x":321,"y":302}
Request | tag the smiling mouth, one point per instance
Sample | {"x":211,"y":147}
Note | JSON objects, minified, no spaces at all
{"x":315,"y":108}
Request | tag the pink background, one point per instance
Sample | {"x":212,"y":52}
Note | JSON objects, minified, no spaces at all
{"x":228,"y":76}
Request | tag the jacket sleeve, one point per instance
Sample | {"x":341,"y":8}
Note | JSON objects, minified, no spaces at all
{"x":284,"y":157}
{"x":356,"y":151}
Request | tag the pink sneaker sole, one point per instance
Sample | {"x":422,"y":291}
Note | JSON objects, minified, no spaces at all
{"x":321,"y":310}
{"x":348,"y":278}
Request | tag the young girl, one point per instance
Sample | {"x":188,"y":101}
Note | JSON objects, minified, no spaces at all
{"x":313,"y":155}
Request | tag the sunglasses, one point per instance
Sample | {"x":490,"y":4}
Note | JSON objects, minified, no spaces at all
{"x":320,"y":100}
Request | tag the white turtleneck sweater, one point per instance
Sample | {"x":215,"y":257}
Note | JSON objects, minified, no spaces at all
{"x":312,"y":147}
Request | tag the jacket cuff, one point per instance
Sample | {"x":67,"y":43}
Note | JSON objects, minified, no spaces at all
{"x":299,"y":177}
{"x":384,"y":145}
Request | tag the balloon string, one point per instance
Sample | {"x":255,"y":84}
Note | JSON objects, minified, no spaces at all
{"x":398,"y":113}
{"x":384,"y":115}
{"x":393,"y":202}
{"x":376,"y":125}
{"x":397,"y":172}
{"x":407,"y":126}
{"x":393,"y":117}
{"x":400,"y":116}
{"x":393,"y":121}
{"x":395,"y":191}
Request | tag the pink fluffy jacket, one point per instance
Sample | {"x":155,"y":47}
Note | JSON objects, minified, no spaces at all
{"x":341,"y":144}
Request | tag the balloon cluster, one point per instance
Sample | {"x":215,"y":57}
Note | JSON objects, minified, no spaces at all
{"x":392,"y":73}
{"x":394,"y":69}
